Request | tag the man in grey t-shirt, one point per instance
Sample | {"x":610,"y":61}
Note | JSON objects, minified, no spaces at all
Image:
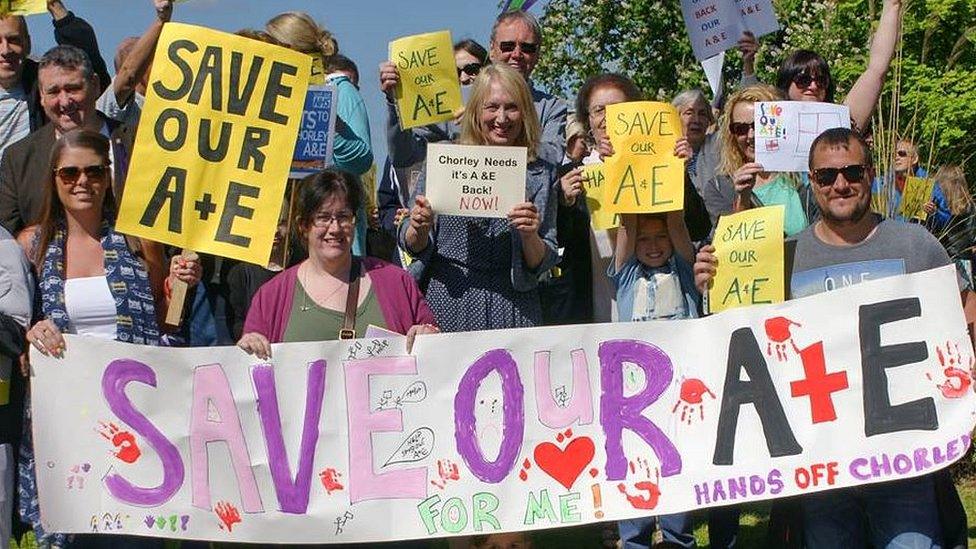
{"x":848,"y":245}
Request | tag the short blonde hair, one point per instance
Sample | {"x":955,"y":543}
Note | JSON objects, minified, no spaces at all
{"x":298,"y":31}
{"x":471,"y":130}
{"x":731,"y":157}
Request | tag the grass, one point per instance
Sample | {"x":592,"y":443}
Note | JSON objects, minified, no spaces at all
{"x":752,"y":528}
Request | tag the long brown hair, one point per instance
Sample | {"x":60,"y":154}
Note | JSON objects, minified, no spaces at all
{"x":952,"y":181}
{"x":52,"y":213}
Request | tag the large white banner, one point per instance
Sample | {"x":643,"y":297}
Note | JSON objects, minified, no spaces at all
{"x":508,"y":430}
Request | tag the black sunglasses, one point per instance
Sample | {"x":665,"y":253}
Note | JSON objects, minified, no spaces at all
{"x":508,"y":46}
{"x":902,"y":153}
{"x":803,"y":80}
{"x":825,"y":177}
{"x":741,"y":128}
{"x":471,"y":69}
{"x":70,"y":174}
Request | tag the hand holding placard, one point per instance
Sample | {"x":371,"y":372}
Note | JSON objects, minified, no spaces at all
{"x":429,"y":90}
{"x":749,"y":248}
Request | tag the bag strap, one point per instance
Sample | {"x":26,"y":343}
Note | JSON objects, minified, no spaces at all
{"x":348,"y":330}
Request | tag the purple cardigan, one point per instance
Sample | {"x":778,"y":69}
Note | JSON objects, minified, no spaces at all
{"x":396,"y":291}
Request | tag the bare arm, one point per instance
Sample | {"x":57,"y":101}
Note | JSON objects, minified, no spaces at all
{"x":864,"y":95}
{"x":134,"y":67}
{"x":680,"y":238}
{"x":626,"y":241}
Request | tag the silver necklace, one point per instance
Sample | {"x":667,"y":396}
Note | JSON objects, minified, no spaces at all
{"x":305,"y":306}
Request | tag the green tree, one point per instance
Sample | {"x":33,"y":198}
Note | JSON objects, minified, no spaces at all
{"x":646,"y":40}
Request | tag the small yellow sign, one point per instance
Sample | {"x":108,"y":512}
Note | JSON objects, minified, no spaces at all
{"x":429,"y":89}
{"x":918,"y":191}
{"x":749,"y":248}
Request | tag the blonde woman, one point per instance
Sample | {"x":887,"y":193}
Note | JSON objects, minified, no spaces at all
{"x":482,"y":273}
{"x":741,"y":183}
{"x":958,"y":235}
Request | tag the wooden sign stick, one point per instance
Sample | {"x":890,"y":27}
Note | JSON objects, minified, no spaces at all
{"x":178,"y":293}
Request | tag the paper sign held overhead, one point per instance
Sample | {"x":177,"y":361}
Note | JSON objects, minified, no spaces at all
{"x":786,"y":129}
{"x":316,"y":137}
{"x":643,"y":175}
{"x":749,"y":248}
{"x":716,"y":25}
{"x":215,"y":146}
{"x":429,"y":89}
{"x":475,"y":181}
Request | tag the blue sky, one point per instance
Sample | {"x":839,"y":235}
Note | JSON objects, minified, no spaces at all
{"x":363,"y":28}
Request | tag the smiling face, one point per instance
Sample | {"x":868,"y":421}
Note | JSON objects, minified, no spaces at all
{"x":501,"y":118}
{"x":14,"y":45}
{"x":329,"y":232}
{"x":463,"y":59}
{"x":67,"y":97}
{"x":843,"y":201}
{"x":512,"y":35}
{"x":744,"y":113}
{"x":87,"y":191}
{"x":808,"y":87}
{"x":653,"y":247}
{"x":600,"y":98}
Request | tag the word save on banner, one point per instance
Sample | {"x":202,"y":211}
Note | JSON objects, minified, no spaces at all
{"x":506,"y":430}
{"x":429,"y":90}
{"x":716,"y":25}
{"x":749,"y":248}
{"x":786,"y":129}
{"x":219,"y":125}
{"x":316,"y":137}
{"x":643,"y":175}
{"x":475,"y":180}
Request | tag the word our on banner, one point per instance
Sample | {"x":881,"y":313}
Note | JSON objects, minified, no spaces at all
{"x":429,"y":90}
{"x":749,"y":248}
{"x":918,"y":191}
{"x":316,"y":137}
{"x":786,"y":129}
{"x":506,"y":430}
{"x":715,"y":25}
{"x":475,"y":180}
{"x":22,"y":7}
{"x":219,"y":126}
{"x":643,"y":175}
{"x":593,"y":179}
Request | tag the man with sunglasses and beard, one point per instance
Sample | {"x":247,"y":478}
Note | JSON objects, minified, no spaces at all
{"x":847,"y":245}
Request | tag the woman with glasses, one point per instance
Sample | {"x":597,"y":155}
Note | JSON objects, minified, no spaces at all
{"x":805,"y":75}
{"x":92,"y":281}
{"x":469,"y":56}
{"x":483,"y":273}
{"x":332,"y":294}
{"x":741,"y":183}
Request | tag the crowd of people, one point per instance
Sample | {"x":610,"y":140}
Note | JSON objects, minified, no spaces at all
{"x":343,"y":261}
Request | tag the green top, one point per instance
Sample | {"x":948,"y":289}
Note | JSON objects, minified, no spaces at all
{"x":781,"y":191}
{"x":316,"y":323}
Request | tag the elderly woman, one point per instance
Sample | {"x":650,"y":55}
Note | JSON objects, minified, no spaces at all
{"x":332,"y":294}
{"x":483,"y":272}
{"x":741,"y":182}
{"x":92,"y":280}
{"x":696,"y":117}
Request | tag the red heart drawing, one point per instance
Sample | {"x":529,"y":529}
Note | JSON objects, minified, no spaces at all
{"x":567,"y":464}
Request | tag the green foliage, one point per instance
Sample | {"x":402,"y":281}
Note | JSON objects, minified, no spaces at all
{"x":646,"y":40}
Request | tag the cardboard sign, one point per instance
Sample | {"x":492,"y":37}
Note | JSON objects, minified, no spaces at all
{"x":475,"y":181}
{"x":749,"y":248}
{"x":316,"y":137}
{"x":643,"y":175}
{"x":506,"y":430}
{"x":918,"y":191}
{"x":786,"y":129}
{"x":593,"y":185}
{"x":213,"y":152}
{"x":429,"y":89}
{"x":716,"y":25}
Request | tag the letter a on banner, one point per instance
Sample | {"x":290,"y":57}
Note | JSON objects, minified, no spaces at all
{"x":214,"y":149}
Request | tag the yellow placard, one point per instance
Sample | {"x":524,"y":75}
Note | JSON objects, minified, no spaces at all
{"x":429,"y":89}
{"x":918,"y":191}
{"x":879,"y":202}
{"x":749,"y":248}
{"x":643,"y":175}
{"x":214,"y":149}
{"x":22,"y":7}
{"x":368,"y":181}
{"x":593,"y":183}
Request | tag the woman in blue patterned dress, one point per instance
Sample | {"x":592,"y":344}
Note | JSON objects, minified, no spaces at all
{"x":482,"y":273}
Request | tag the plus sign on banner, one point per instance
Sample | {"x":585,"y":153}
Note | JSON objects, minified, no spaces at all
{"x":220,"y":122}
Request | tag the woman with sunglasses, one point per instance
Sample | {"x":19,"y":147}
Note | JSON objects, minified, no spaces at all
{"x":482,"y":272}
{"x":805,"y":75}
{"x":332,"y":294}
{"x":741,"y":183}
{"x":92,"y":280}
{"x":469,"y":56}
